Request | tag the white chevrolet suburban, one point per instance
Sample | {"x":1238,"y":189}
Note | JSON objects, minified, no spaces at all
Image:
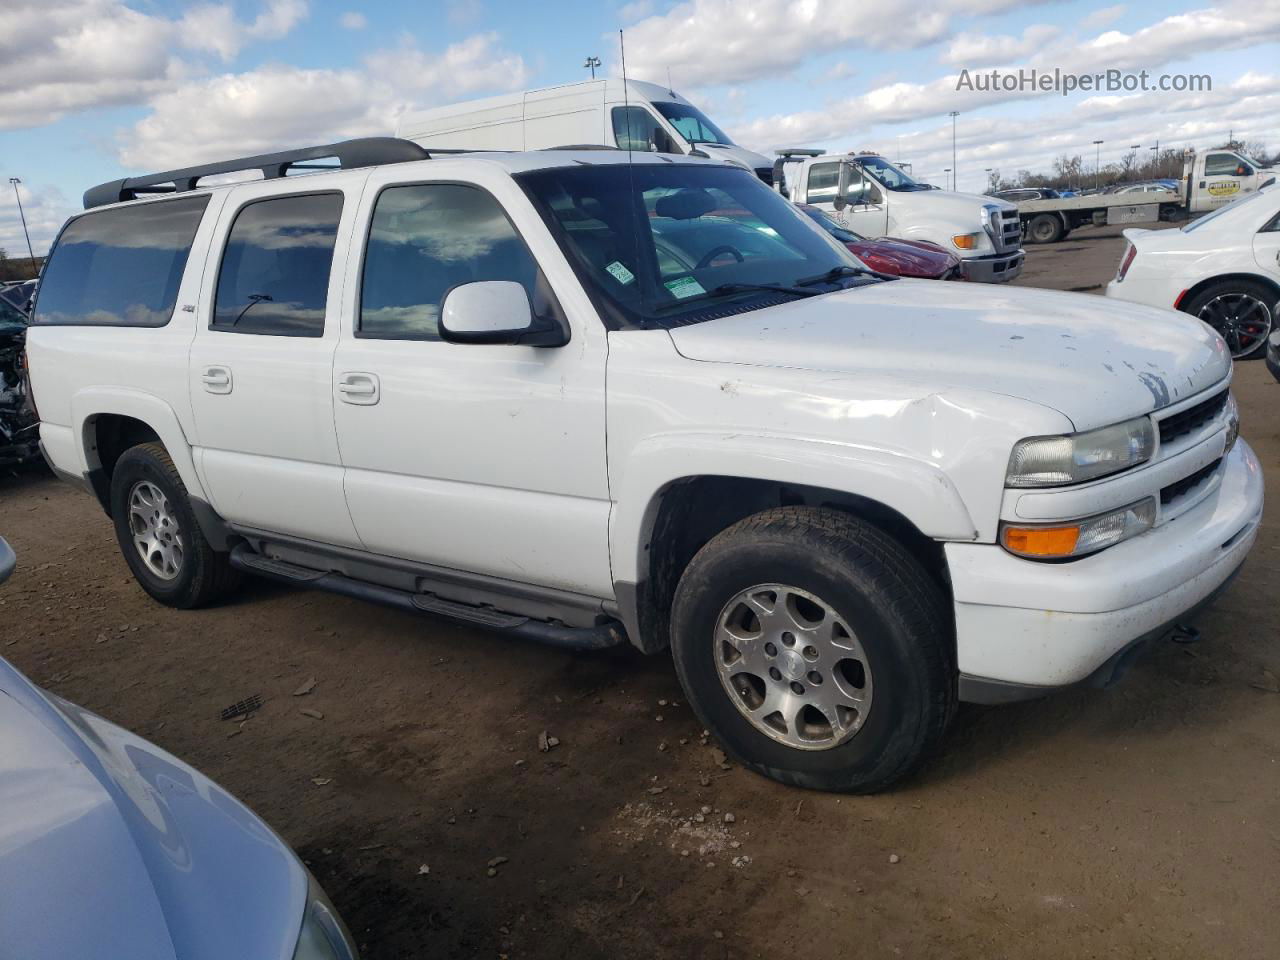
{"x":591,"y":398}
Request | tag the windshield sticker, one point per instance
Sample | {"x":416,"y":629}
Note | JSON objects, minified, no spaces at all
{"x":620,"y":273}
{"x":684,"y":287}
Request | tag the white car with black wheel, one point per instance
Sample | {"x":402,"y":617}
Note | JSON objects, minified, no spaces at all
{"x":1223,"y":268}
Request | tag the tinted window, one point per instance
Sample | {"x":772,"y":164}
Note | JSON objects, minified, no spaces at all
{"x":274,"y":278}
{"x":426,"y":239}
{"x":633,"y":127}
{"x":120,"y":267}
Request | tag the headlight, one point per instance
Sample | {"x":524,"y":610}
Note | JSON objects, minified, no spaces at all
{"x":324,"y":936}
{"x":1233,"y":423}
{"x":1061,"y":540}
{"x":1077,"y":457}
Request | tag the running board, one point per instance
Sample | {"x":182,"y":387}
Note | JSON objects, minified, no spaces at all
{"x":607,"y":634}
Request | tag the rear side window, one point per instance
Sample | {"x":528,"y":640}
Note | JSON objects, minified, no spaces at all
{"x":274,"y":278}
{"x":120,"y":267}
{"x":426,"y":239}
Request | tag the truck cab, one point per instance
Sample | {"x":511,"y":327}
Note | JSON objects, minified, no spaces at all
{"x":1213,"y":178}
{"x":874,"y":197}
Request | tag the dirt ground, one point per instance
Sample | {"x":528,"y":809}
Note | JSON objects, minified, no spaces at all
{"x":1141,"y":821}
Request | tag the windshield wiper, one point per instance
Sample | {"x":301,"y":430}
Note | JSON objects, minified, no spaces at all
{"x":727,"y":289}
{"x":844,"y":270}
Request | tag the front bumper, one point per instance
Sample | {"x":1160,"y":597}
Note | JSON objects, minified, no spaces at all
{"x":1036,"y":626}
{"x":994,"y":268}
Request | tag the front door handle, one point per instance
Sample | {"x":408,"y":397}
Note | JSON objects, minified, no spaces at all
{"x":216,"y":379}
{"x":359,"y":388}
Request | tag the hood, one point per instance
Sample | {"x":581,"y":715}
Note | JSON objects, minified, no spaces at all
{"x":106,"y":839}
{"x":740,"y":155}
{"x":1095,"y":360}
{"x":905,"y":258}
{"x":965,"y":208}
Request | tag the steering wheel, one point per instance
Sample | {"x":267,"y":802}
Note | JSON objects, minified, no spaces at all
{"x":717,"y":251}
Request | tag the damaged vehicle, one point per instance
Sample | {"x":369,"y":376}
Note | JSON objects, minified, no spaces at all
{"x":19,"y":426}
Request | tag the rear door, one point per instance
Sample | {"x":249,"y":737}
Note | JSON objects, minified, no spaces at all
{"x":484,"y":458}
{"x":1266,"y":246}
{"x":261,"y":362}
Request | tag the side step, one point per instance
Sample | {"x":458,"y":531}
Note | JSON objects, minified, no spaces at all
{"x":608,"y":634}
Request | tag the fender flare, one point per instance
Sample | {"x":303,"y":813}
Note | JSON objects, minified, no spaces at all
{"x":917,"y":490}
{"x":89,"y":404}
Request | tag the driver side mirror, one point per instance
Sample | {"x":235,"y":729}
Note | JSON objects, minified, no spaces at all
{"x":842,"y":187}
{"x":495,"y":311}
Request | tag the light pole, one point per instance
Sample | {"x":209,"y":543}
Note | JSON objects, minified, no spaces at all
{"x":591,"y":63}
{"x":1097,"y":163}
{"x":18,"y":196}
{"x":954,"y":166}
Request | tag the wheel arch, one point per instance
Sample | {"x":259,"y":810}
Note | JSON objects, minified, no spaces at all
{"x":687,"y":512}
{"x":1194,"y":291}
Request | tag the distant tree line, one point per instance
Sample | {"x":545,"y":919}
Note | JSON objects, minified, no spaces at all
{"x":18,"y":268}
{"x":1074,"y":173}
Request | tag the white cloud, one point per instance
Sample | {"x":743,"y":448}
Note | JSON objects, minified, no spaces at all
{"x":214,"y":27}
{"x":631,"y":12}
{"x":974,"y":50}
{"x":724,"y":41}
{"x":45,"y":208}
{"x":353,"y":20}
{"x":239,"y":114}
{"x":58,"y":56}
{"x":1103,"y":16}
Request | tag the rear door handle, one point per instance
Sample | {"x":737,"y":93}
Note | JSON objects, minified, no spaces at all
{"x":360,"y":389}
{"x":216,"y":379}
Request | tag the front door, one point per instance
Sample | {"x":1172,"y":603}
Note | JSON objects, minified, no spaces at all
{"x":484,"y":458}
{"x":261,"y":362}
{"x":1226,"y":177}
{"x":866,"y":212}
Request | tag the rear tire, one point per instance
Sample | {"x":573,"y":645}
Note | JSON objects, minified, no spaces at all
{"x":834,"y":574}
{"x":1045,"y":228}
{"x":1241,"y":311}
{"x":158,"y":534}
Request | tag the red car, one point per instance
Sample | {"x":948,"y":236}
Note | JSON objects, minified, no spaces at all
{"x":902,"y":258}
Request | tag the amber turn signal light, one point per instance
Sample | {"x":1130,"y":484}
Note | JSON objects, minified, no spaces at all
{"x":1042,"y":541}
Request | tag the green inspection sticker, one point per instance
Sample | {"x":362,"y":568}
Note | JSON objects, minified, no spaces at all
{"x":620,"y":273}
{"x":684,"y":287}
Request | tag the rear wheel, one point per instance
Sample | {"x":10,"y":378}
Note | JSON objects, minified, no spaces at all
{"x":816,"y":649}
{"x":1241,"y":311}
{"x":158,"y":533}
{"x":1045,"y":228}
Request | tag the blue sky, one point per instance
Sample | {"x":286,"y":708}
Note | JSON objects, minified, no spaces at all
{"x":95,"y":89}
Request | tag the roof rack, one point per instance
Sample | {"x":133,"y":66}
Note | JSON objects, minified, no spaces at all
{"x":365,"y":152}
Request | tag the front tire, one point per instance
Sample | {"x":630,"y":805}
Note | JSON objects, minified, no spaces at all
{"x":158,"y":534}
{"x":816,"y":649}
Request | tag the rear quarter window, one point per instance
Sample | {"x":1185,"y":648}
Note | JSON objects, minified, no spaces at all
{"x":120,"y":267}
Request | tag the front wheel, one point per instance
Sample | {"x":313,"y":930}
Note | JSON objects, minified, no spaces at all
{"x":158,"y":533}
{"x":816,"y":649}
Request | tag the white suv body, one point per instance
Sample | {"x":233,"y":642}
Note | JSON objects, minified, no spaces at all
{"x":844,"y":453}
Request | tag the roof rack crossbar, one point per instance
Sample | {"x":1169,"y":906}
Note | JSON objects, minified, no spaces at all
{"x":365,"y":152}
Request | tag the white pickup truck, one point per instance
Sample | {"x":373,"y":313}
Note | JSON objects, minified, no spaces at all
{"x":875,"y":198}
{"x":589,"y":401}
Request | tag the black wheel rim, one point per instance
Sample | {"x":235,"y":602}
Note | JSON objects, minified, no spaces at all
{"x":1242,"y":319}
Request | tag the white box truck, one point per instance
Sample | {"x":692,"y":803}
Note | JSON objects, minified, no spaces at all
{"x":611,"y":112}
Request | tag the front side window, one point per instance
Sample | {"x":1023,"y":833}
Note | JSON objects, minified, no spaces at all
{"x":693,"y":124}
{"x":669,"y":244}
{"x":824,"y":178}
{"x":426,"y":239}
{"x":633,"y":128}
{"x":274,"y":279}
{"x":1225,"y":165}
{"x":120,"y":267}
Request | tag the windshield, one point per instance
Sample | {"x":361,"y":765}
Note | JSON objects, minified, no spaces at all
{"x":890,"y":176}
{"x":823,"y":219}
{"x":692,"y":123}
{"x":663,"y":245}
